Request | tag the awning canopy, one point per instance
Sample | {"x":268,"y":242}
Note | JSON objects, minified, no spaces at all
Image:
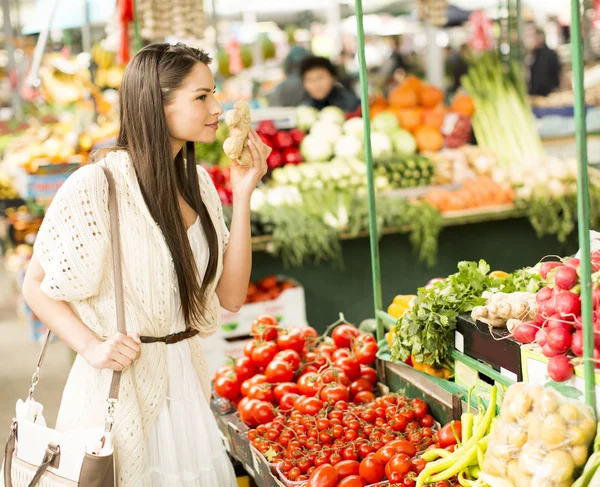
{"x":70,"y":14}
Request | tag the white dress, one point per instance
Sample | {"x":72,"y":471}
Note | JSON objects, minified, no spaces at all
{"x":183,"y":447}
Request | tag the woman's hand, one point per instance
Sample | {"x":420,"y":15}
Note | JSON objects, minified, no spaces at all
{"x":116,"y":353}
{"x":245,"y":179}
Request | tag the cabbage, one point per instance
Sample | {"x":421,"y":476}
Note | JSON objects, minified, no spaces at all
{"x":385,"y":122}
{"x":332,"y":114}
{"x":306,"y":117}
{"x":316,"y":148}
{"x":354,"y":126}
{"x":326,"y":130}
{"x":404,"y":142}
{"x":381,"y":145}
{"x":349,"y":147}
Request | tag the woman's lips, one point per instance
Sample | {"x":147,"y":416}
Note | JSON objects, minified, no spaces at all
{"x":214,"y":126}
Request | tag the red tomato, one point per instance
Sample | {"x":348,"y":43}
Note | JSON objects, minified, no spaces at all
{"x":279,"y":371}
{"x":364,"y":397}
{"x":263,"y":353}
{"x":384,"y":454}
{"x":340,"y":353}
{"x":225,"y":370}
{"x":262,"y":392}
{"x":309,"y":384}
{"x":335,"y":375}
{"x":335,"y":392}
{"x":398,"y":466}
{"x":369,"y":374}
{"x":250,"y":344}
{"x":359,"y":386}
{"x":427,"y":421}
{"x":364,"y":449}
{"x":310,"y":335}
{"x":403,"y":446}
{"x":263,"y":412}
{"x":308,"y":405}
{"x":350,"y":453}
{"x":291,"y":339}
{"x":366,"y":350}
{"x":420,"y":408}
{"x":352,"y":481}
{"x":247,"y":384}
{"x":289,"y":356}
{"x":283,"y":389}
{"x":443,"y":483}
{"x":245,"y":368}
{"x":350,"y":367}
{"x":323,"y":476}
{"x":325,"y":349}
{"x":246,"y":408}
{"x":265,"y":328}
{"x":372,"y":470}
{"x":294,"y":473}
{"x":227,"y":386}
{"x":344,"y":335}
{"x":418,"y":464}
{"x":446,"y":438}
{"x":267,"y":283}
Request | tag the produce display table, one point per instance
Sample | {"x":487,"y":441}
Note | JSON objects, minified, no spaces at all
{"x":507,"y":244}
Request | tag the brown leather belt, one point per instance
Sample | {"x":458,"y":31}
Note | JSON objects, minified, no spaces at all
{"x":173,"y":338}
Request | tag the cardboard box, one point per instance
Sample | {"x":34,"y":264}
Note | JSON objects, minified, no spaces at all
{"x":535,"y":371}
{"x":289,"y":309}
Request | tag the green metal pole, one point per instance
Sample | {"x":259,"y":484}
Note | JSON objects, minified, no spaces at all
{"x":137,"y":38}
{"x":364,"y":95}
{"x":583,"y":203}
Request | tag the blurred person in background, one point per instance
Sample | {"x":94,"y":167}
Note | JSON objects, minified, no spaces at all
{"x":322,"y":88}
{"x":545,"y":67}
{"x":457,"y":67}
{"x":290,"y":92}
{"x":396,"y":68}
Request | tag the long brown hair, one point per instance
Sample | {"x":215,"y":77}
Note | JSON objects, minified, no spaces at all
{"x":150,"y":80}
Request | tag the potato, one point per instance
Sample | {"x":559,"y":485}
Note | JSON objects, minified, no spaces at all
{"x":520,"y":406}
{"x":569,"y":412}
{"x":523,"y":480}
{"x":554,"y":431}
{"x":512,"y":470}
{"x":530,"y":458}
{"x":548,"y":403}
{"x":578,"y":436}
{"x":579,"y":454}
{"x":516,"y":437}
{"x":493,"y":466}
{"x":558,"y":466}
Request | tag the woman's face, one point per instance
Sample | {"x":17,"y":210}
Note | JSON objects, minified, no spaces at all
{"x":318,"y":83}
{"x":193,"y":113}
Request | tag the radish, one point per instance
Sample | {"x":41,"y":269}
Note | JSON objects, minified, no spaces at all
{"x":547,"y":267}
{"x":543,"y":294}
{"x":595,"y":263}
{"x":433,"y":281}
{"x":547,"y":308}
{"x":568,"y":304}
{"x":577,"y":343}
{"x":526,"y":332}
{"x":596,"y":298}
{"x":548,"y":351}
{"x":541,"y":337}
{"x":559,"y":340}
{"x":574,"y":263}
{"x":560,"y":368}
{"x":566,"y":278}
{"x":578,"y":323}
{"x":553,"y":321}
{"x":597,"y":358}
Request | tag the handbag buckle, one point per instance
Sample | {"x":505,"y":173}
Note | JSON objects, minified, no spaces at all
{"x":109,"y":421}
{"x":35,"y":378}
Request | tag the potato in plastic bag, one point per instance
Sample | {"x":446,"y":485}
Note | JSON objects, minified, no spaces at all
{"x":541,"y":438}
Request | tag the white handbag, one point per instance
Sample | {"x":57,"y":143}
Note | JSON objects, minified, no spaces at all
{"x":36,"y":455}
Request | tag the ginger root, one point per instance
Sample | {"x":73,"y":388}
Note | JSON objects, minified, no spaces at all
{"x":236,"y":145}
{"x":502,"y":307}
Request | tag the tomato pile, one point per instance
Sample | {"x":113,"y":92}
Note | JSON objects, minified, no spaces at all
{"x":285,"y":368}
{"x":267,"y":289}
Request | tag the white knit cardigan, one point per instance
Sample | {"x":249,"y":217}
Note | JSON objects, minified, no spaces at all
{"x":73,"y":246}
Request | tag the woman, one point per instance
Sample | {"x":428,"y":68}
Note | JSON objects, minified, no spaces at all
{"x":179,"y":263}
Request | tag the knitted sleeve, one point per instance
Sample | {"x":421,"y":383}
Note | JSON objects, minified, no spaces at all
{"x":74,"y":240}
{"x":215,"y":201}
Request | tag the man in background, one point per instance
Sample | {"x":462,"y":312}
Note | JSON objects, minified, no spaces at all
{"x":545,"y":68}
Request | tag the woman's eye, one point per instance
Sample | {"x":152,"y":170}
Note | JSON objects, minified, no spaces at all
{"x":201,"y":97}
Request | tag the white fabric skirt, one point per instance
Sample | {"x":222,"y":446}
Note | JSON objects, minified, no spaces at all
{"x":184,"y":447}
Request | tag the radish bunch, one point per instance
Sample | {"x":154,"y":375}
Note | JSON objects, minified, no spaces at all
{"x":557,"y":324}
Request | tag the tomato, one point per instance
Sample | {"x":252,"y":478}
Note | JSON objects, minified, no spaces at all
{"x":309,"y":384}
{"x":418,"y":464}
{"x":334,"y":459}
{"x":245,"y":368}
{"x":283,"y":389}
{"x":264,"y":328}
{"x":385,"y":453}
{"x":225,"y":370}
{"x":352,"y":481}
{"x":325,"y":349}
{"x":289,"y":356}
{"x":267,"y":283}
{"x":369,"y":374}
{"x":415,"y":437}
{"x":403,"y":446}
{"x":279,"y":371}
{"x":372,"y":470}
{"x":365,"y":350}
{"x":335,"y":375}
{"x":350,"y":367}
{"x":409,"y":482}
{"x":291,"y":339}
{"x":344,"y":335}
{"x":247,"y":384}
{"x":262,"y":392}
{"x":350,"y":453}
{"x":246,"y":410}
{"x":340,"y":353}
{"x":308,"y":405}
{"x":409,"y":414}
{"x":294,"y":473}
{"x":264,"y":352}
{"x":364,"y":449}
{"x":398,"y":466}
{"x":321,"y":459}
{"x":263,"y":412}
{"x":335,"y":392}
{"x":337,"y":431}
{"x":427,"y":432}
{"x":427,"y":421}
{"x":304,"y":464}
{"x":359,"y":386}
{"x":227,"y":386}
{"x":323,"y":476}
{"x":250,"y":344}
{"x":310,"y":335}
{"x":446,"y":438}
{"x":287,"y":401}
{"x":443,"y":483}
{"x":420,"y":407}
{"x":363,"y":397}
{"x":341,"y":406}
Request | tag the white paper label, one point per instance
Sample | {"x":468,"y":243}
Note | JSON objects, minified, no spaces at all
{"x":507,"y":373}
{"x":459,"y":342}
